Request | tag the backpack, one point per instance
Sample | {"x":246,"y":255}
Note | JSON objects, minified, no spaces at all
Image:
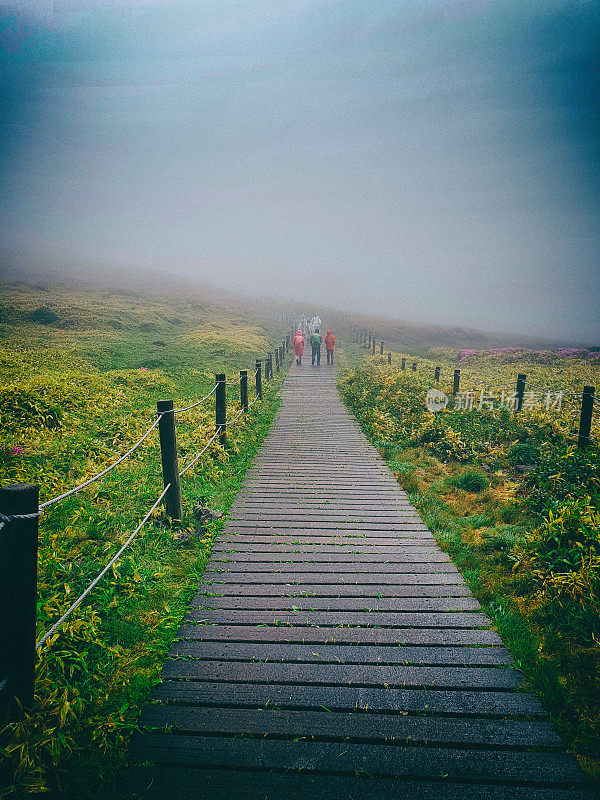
{"x":315,"y":339}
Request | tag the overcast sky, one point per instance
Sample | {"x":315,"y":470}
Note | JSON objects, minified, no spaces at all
{"x":436,"y":160}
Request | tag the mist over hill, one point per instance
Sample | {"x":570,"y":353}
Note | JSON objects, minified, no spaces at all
{"x":397,"y":333}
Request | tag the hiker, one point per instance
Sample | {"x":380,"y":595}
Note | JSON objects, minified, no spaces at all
{"x":298,"y":346}
{"x":329,"y":345}
{"x":303,"y":324}
{"x":315,"y":341}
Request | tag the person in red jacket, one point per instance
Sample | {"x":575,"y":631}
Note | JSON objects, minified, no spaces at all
{"x":329,"y":345}
{"x":298,"y":346}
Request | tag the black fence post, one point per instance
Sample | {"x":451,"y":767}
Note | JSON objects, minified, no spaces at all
{"x":244,"y":389}
{"x":403,"y":363}
{"x":258,"y":379}
{"x":456,"y":382}
{"x":520,"y":391}
{"x":381,"y":349}
{"x":389,"y":358}
{"x":18,"y":595}
{"x":277,"y":359}
{"x":585,"y":421}
{"x":373,"y":346}
{"x":437,"y":374}
{"x":414,"y":367}
{"x":221,"y":407}
{"x":168,"y":457}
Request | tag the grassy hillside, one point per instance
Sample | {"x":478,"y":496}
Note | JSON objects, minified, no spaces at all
{"x":80,"y":381}
{"x":515,"y":503}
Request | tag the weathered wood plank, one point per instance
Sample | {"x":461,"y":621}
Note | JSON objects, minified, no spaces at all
{"x":382,"y":760}
{"x":169,"y":783}
{"x":375,"y":700}
{"x":338,"y":654}
{"x":448,"y":677}
{"x":326,"y":725}
{"x":340,"y":635}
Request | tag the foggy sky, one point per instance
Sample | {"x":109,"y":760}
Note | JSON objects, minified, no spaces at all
{"x":434,"y":160}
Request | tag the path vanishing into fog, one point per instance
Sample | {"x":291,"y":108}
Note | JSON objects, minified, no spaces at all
{"x":333,"y":651}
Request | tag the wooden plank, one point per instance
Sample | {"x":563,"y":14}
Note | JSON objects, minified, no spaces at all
{"x":250,"y":589}
{"x":373,"y":700}
{"x":327,"y":725}
{"x":448,"y":677}
{"x":322,"y":562}
{"x":340,"y":635}
{"x":322,"y":580}
{"x":388,"y":619}
{"x":168,"y":783}
{"x":340,"y":604}
{"x":383,"y":760}
{"x":336,"y":654}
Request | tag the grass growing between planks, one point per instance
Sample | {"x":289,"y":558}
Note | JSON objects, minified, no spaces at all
{"x":69,"y":408}
{"x":516,"y":507}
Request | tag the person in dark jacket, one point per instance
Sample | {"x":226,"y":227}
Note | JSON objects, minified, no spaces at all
{"x":315,"y":341}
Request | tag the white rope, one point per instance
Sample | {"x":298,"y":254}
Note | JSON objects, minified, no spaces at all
{"x":254,"y":401}
{"x":204,"y":449}
{"x":193,"y":405}
{"x":104,"y":471}
{"x":233,"y":383}
{"x":6,"y":520}
{"x":237,"y":416}
{"x":99,"y":577}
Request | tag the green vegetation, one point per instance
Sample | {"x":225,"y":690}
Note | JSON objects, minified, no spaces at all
{"x":469,"y":481}
{"x":77,"y":393}
{"x":517,"y":506}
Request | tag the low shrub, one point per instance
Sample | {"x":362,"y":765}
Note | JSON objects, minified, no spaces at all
{"x":523,"y":453}
{"x":44,"y":316}
{"x":471,"y":481}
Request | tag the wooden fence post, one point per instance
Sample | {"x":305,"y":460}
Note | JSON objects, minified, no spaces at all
{"x":244,"y":389}
{"x":437,"y":374}
{"x":403,"y":363}
{"x":168,"y":457}
{"x":277,"y":359}
{"x":456,"y":382}
{"x":414,"y":367}
{"x":389,"y":358}
{"x":520,"y":391}
{"x":18,"y":595}
{"x":585,"y":421}
{"x":258,"y":379}
{"x":381,"y":349}
{"x":221,"y":407}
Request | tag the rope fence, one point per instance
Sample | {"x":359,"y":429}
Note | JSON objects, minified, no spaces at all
{"x":20,"y":511}
{"x":517,"y":396}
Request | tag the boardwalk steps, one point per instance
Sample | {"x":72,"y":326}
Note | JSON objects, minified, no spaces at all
{"x":333,"y":651}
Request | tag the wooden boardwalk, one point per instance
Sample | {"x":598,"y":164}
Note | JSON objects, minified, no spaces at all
{"x":333,"y":651}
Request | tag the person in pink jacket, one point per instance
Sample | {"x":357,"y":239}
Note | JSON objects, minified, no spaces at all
{"x":298,"y":346}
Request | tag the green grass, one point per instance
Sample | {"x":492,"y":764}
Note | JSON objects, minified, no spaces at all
{"x":74,"y":398}
{"x":537,"y":580}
